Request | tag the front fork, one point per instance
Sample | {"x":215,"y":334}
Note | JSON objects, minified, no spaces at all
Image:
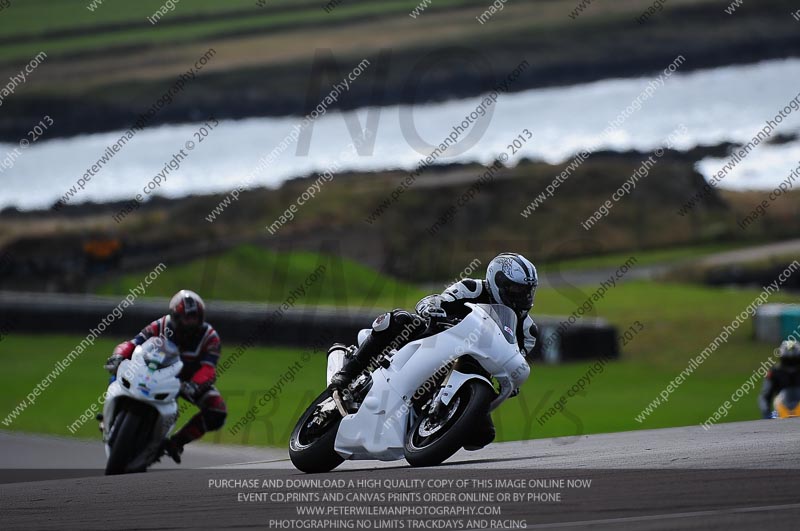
{"x":437,"y":405}
{"x":99,"y":416}
{"x":337,"y":399}
{"x":463,"y":370}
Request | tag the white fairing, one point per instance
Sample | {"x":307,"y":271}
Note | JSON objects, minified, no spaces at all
{"x":145,"y":384}
{"x":378,"y":429}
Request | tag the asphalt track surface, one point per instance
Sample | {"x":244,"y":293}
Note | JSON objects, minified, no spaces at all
{"x":734,"y":476}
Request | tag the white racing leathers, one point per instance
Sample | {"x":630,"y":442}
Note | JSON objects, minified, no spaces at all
{"x":379,"y":428}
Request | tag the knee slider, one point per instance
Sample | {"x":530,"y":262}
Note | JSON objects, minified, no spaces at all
{"x":382,"y":322}
{"x":392,"y":321}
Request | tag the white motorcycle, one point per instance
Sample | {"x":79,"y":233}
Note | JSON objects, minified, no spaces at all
{"x":141,"y":406}
{"x":420,"y":402}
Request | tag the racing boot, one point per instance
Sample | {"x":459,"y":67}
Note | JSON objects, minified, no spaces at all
{"x":369,"y":350}
{"x":172,"y":448}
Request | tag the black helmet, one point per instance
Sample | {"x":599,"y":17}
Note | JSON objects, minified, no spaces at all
{"x":512,"y":279}
{"x":789,"y":353}
{"x":187,"y":312}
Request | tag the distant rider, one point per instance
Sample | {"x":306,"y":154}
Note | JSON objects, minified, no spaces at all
{"x":783,"y":375}
{"x":200,"y":349}
{"x":511,"y":280}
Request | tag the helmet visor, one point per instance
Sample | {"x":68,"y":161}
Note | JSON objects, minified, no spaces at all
{"x":516,"y":295}
{"x":790,"y":361}
{"x":187,"y":323}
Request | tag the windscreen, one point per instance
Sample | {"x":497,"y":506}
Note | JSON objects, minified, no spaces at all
{"x":505,"y":318}
{"x":159,"y":353}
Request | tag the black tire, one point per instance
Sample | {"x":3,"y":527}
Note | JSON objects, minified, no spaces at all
{"x":126,"y":442}
{"x":470,"y":404}
{"x":314,"y":453}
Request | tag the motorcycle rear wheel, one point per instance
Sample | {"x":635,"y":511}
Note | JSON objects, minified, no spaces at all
{"x":431,"y":442}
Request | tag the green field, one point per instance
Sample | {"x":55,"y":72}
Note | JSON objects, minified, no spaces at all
{"x":608,"y":404}
{"x":68,"y":26}
{"x":679,"y":321}
{"x":669,"y":255}
{"x":250,"y":273}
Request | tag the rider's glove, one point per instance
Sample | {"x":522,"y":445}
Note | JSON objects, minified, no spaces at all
{"x":433,"y":312}
{"x":112,"y":363}
{"x":430,"y":308}
{"x":192,"y":391}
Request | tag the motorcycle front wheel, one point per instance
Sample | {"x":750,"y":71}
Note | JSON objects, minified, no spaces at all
{"x":124,"y":446}
{"x":431,"y":441}
{"x":311,"y":446}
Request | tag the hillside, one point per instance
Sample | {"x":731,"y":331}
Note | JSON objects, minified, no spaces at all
{"x":250,"y":273}
{"x":408,"y":239}
{"x":107,"y":66}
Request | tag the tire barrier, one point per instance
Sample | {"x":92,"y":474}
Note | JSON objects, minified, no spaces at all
{"x":266,"y":324}
{"x":775,"y":322}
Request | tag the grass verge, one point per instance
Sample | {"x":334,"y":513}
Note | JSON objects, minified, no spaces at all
{"x":679,"y":322}
{"x":250,"y":273}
